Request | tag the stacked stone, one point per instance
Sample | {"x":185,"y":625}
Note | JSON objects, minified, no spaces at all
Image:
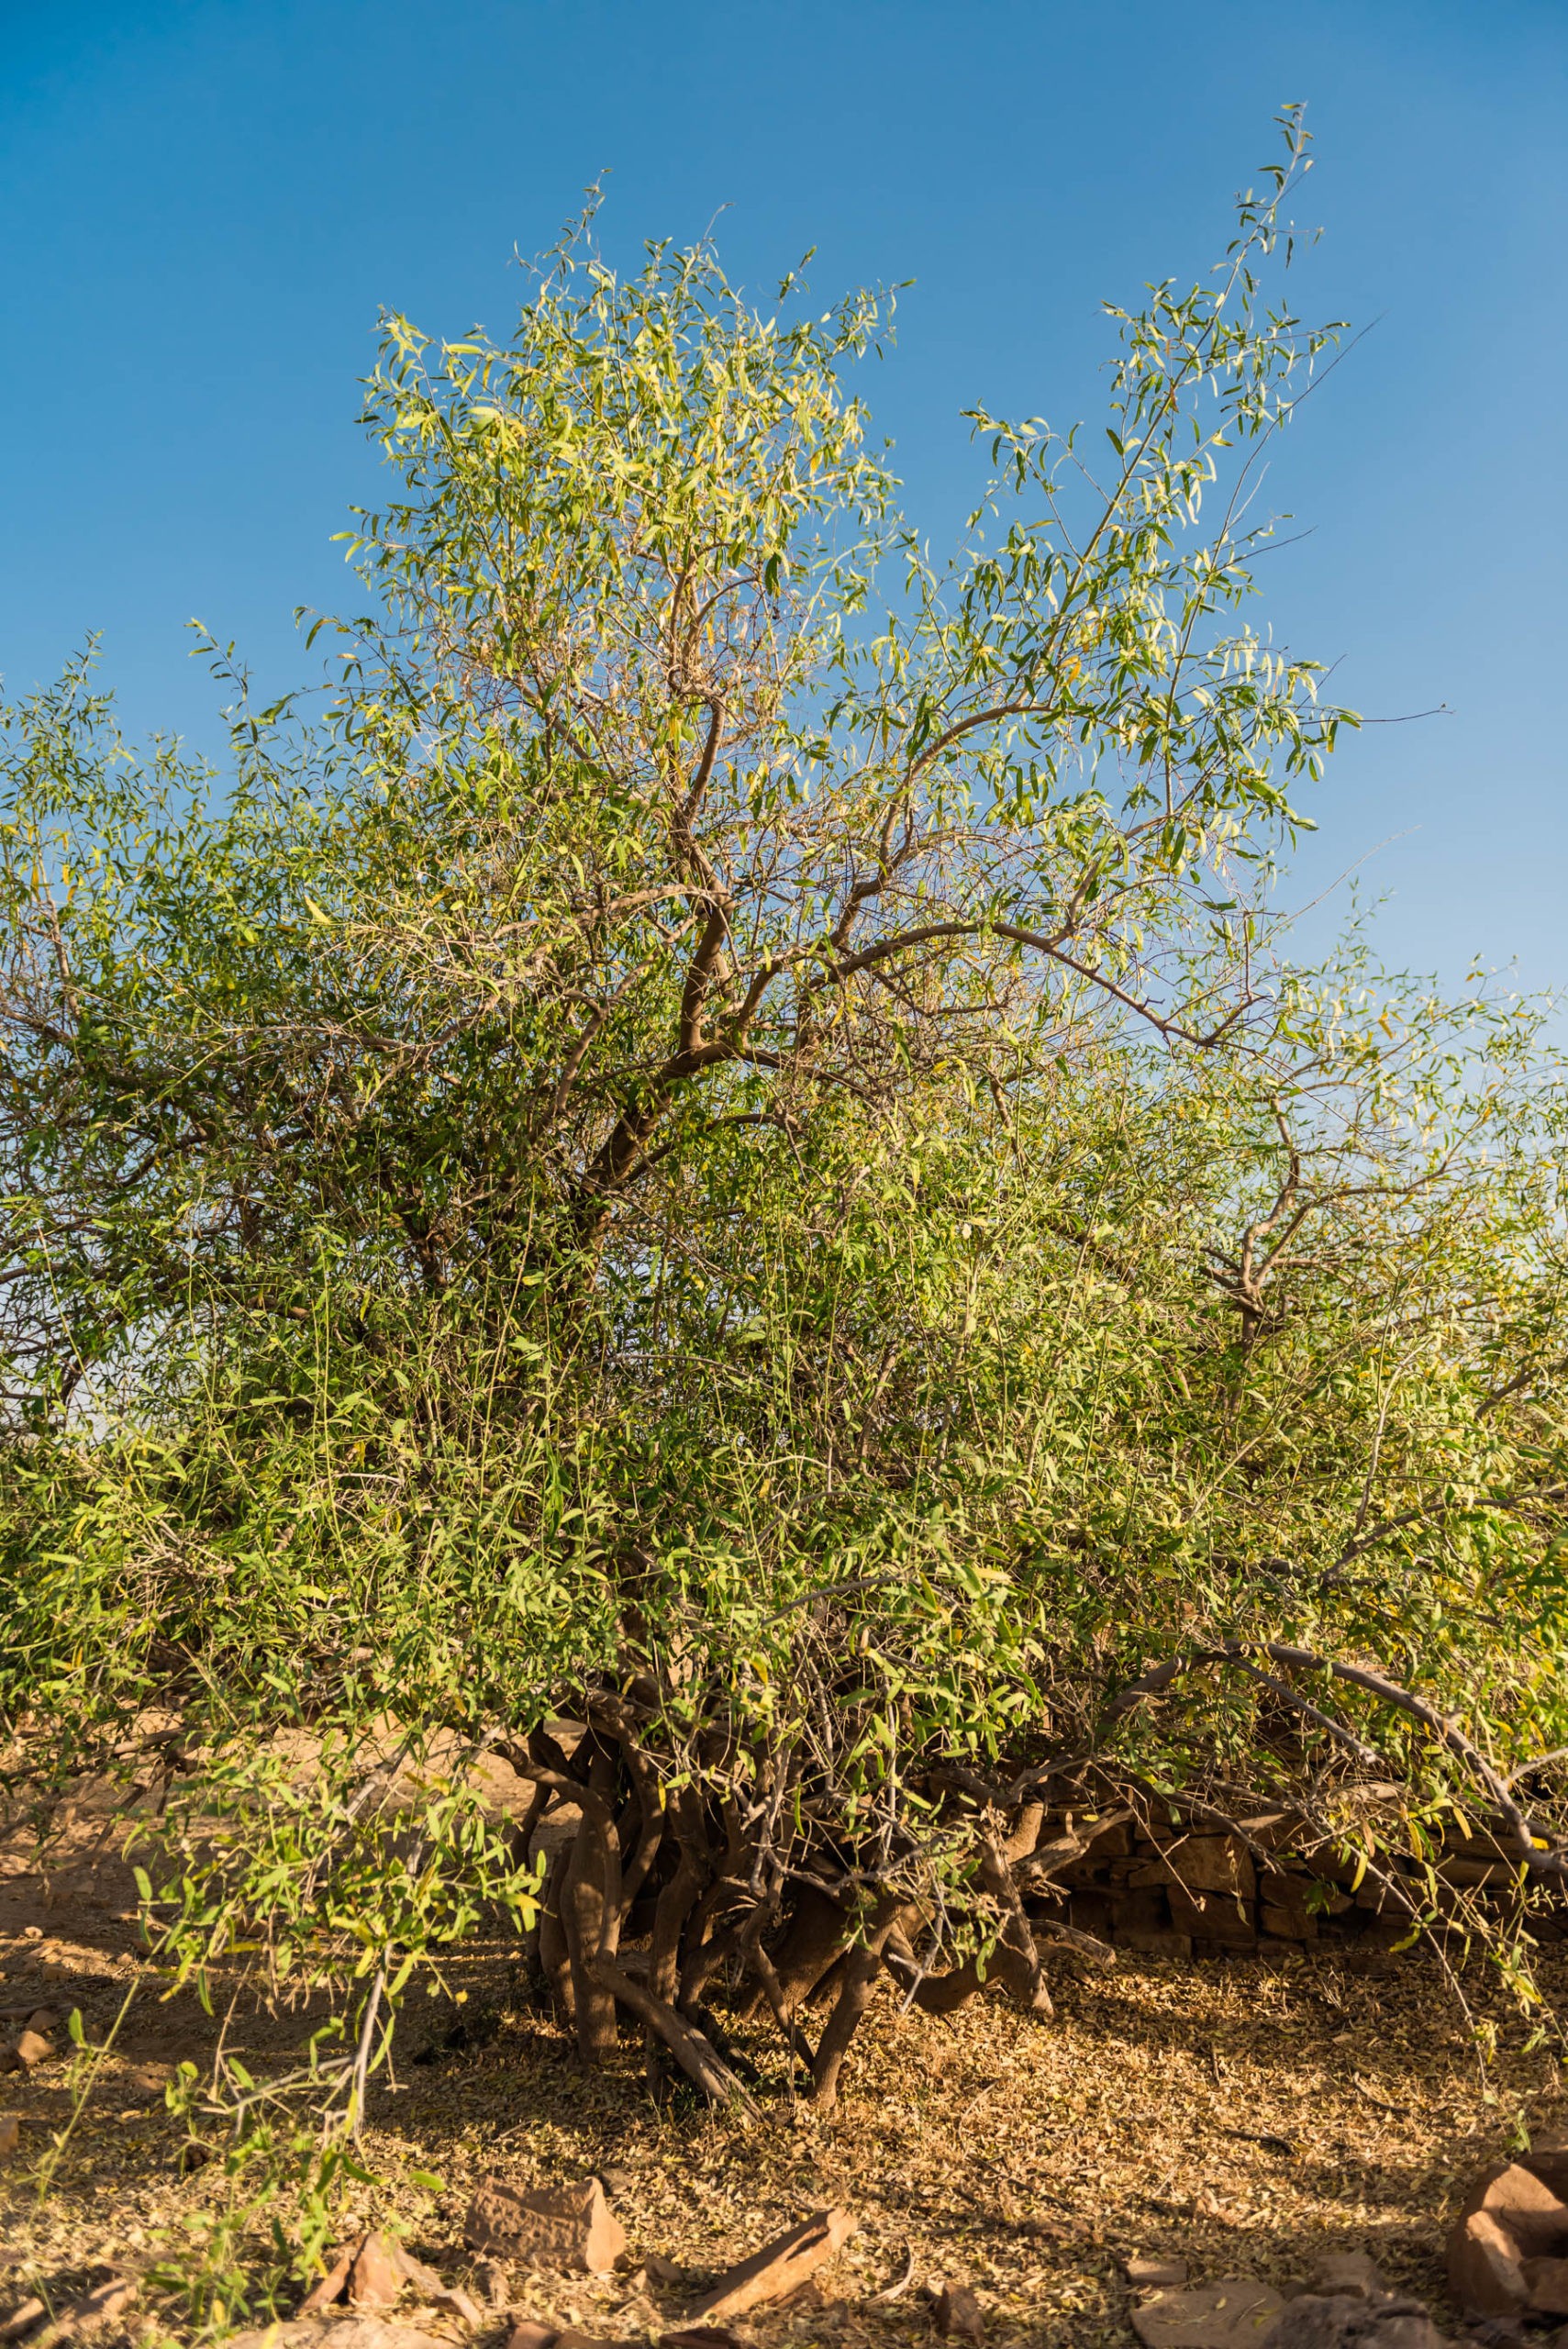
{"x":1184,"y":1890}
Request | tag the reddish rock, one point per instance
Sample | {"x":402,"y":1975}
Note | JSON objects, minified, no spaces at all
{"x":959,"y":2315}
{"x":1155,"y":1942}
{"x":526,"y":2334}
{"x":1484,"y":2270}
{"x":441,"y":2294}
{"x":376,"y":2277}
{"x":1145,"y":1912}
{"x":1211,"y":1917}
{"x":670,"y":2271}
{"x":1235,"y":2313}
{"x":1348,"y":2271}
{"x":1346,"y":2321}
{"x":104,"y":2304}
{"x":778,"y":2267}
{"x":100,"y":2306}
{"x":344,"y":2332}
{"x":332,"y":2285}
{"x":558,"y":2226}
{"x":1285,"y":1924}
{"x":1204,"y":1863}
{"x":1518,"y":2200}
{"x":1548,"y":2160}
{"x":1547,"y":2281}
{"x":1283,"y":1910}
{"x":493,"y":2281}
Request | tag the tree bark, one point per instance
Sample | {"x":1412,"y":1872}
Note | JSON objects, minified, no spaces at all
{"x":691,"y":2048}
{"x":862,"y":1972}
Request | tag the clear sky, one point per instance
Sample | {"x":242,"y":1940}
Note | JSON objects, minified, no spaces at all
{"x":206,"y":202}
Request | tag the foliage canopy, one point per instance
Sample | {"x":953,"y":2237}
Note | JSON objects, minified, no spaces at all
{"x":720,"y":1147}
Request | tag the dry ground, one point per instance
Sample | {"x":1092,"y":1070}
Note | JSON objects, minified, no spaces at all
{"x":1241,"y":2115}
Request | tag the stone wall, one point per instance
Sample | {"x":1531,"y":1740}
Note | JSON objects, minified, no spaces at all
{"x":1186,"y":1890}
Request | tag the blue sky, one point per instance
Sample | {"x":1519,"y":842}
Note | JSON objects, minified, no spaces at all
{"x":205,"y":205}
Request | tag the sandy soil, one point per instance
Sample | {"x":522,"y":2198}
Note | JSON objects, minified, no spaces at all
{"x":1245,"y":2116}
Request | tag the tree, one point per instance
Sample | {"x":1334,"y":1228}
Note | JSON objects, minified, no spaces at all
{"x":722,"y":1148}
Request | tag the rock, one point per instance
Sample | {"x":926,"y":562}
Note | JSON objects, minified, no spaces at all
{"x":332,"y":2285}
{"x":372,"y":2272}
{"x":1348,"y":2271}
{"x":494,"y":2281}
{"x":10,"y":2135}
{"x":959,"y":2315}
{"x":1317,"y":2327}
{"x":1484,"y":2269}
{"x":809,"y":2295}
{"x":778,"y":2267}
{"x":1548,"y":2160}
{"x":42,"y":2020}
{"x":1528,"y":2210}
{"x":1215,"y":1863}
{"x":22,"y":2320}
{"x":376,"y":2278}
{"x":526,"y":2334}
{"x":1155,"y":1942}
{"x":32,"y":2048}
{"x":1235,"y":2313}
{"x":95,"y":2308}
{"x":1487,"y":1876}
{"x":557,"y":2226}
{"x":1094,"y":1913}
{"x":1143,"y":1912}
{"x":1548,"y":2282}
{"x":618,"y":2181}
{"x":1282,"y":1909}
{"x":1164,"y":2275}
{"x":1345,"y":2321}
{"x":670,"y":2271}
{"x":1286,"y":1924}
{"x":336,"y":2332}
{"x":453,"y":2298}
{"x":1211,"y":1917}
{"x":424,"y":2281}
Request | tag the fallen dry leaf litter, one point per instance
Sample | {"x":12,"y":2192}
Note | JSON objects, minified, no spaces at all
{"x":1242,"y":2117}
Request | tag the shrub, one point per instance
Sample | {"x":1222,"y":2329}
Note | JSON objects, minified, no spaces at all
{"x":712,"y":1183}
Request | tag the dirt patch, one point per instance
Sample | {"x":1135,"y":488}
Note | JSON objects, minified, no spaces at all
{"x":1243,"y":2114}
{"x":1246,"y":2118}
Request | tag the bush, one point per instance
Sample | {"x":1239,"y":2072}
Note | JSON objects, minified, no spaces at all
{"x":712,"y":1183}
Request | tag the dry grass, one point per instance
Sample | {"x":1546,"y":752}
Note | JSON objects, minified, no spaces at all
{"x":1243,"y":2116}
